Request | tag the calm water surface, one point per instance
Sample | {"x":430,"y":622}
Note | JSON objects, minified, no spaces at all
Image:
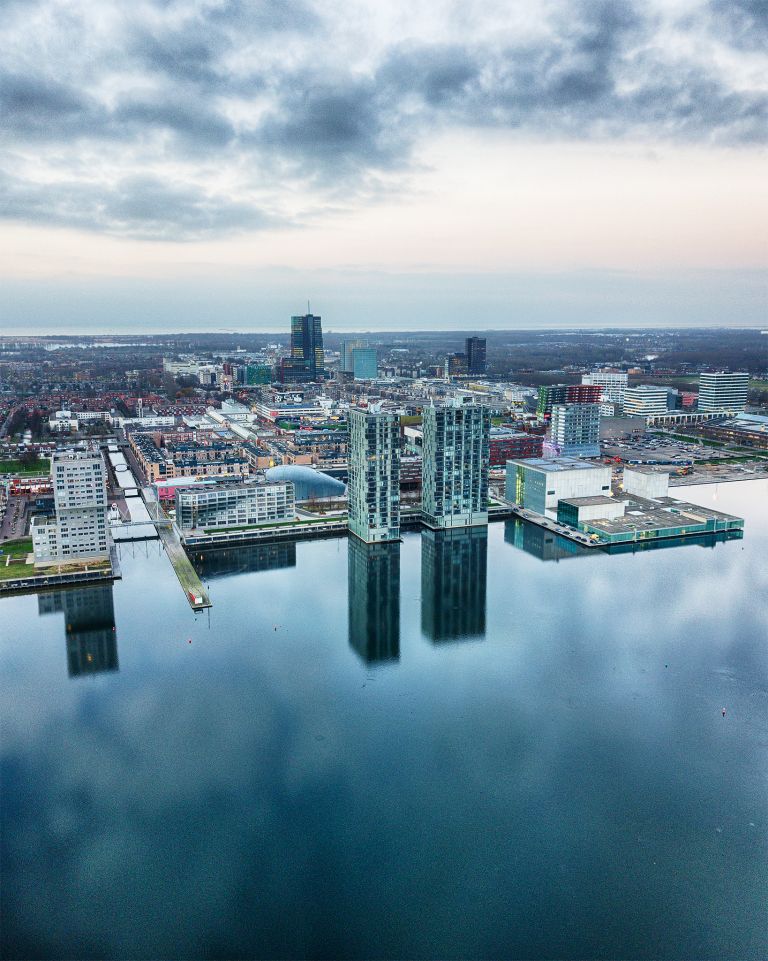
{"x":477,"y":747}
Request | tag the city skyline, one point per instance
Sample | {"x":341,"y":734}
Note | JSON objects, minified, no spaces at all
{"x":212,"y":164}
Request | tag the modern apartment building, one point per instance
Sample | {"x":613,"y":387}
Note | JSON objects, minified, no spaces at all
{"x":347,"y":347}
{"x":723,"y":391}
{"x":475,"y":353}
{"x":645,"y":400}
{"x":575,"y":430}
{"x":79,"y":528}
{"x":566,"y":394}
{"x":455,"y":464}
{"x":373,"y":490}
{"x":613,"y":384}
{"x":242,"y":505}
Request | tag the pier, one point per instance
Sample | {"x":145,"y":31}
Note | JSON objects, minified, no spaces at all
{"x":185,"y":572}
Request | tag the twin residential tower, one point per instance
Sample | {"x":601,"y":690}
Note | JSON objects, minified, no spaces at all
{"x":455,"y":469}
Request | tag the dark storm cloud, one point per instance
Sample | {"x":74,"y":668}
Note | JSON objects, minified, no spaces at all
{"x":270,"y":89}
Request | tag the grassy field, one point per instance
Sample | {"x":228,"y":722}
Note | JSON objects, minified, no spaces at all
{"x":38,"y":468}
{"x":17,"y":548}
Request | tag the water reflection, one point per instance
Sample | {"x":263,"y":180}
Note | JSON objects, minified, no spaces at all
{"x":89,"y":618}
{"x":453,"y":583}
{"x":374,"y":600}
{"x":692,"y":540}
{"x":247,"y":558}
{"x":543,"y":543}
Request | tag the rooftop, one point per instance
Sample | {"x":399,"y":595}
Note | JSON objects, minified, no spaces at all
{"x":593,"y":501}
{"x":662,"y":513}
{"x":553,"y":464}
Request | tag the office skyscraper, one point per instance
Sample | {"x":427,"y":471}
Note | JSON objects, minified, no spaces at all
{"x":347,"y":347}
{"x":723,"y":391}
{"x":365,"y":364}
{"x":455,"y":464}
{"x":475,"y":351}
{"x":373,"y":490}
{"x":307,"y":360}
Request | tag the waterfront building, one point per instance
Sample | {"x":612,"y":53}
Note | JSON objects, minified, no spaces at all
{"x":454,"y":567}
{"x":537,"y":484}
{"x":645,"y":482}
{"x":365,"y":363}
{"x":575,"y":430}
{"x":79,"y":529}
{"x":373,"y":575}
{"x":373,"y":490}
{"x":475,"y":353}
{"x":455,"y":464}
{"x":612,"y":384}
{"x":723,"y":391}
{"x":645,"y":400}
{"x":241,"y":505}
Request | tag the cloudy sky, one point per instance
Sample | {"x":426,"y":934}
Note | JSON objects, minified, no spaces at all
{"x":211,"y":164}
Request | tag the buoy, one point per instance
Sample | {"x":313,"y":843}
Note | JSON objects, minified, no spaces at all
{"x":723,"y":712}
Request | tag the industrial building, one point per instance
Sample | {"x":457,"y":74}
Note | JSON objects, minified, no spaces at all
{"x":745,"y":430}
{"x":455,"y":464}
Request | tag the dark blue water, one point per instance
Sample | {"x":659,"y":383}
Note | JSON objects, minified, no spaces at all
{"x":481,"y":747}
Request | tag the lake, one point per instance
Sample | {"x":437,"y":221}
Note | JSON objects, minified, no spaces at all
{"x":487,"y":746}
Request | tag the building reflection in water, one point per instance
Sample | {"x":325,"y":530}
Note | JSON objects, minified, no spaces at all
{"x":542,"y":543}
{"x":374,"y":600}
{"x":548,"y":546}
{"x":245,"y":558}
{"x":89,"y":618}
{"x":453,"y":583}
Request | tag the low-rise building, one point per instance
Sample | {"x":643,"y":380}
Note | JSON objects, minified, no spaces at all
{"x":241,"y":505}
{"x":538,"y":484}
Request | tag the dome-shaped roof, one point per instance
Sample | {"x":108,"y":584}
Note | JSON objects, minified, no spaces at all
{"x":307,"y":481}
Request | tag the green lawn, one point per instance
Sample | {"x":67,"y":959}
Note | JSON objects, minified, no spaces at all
{"x":17,"y":548}
{"x":258,"y":527}
{"x":39,"y":467}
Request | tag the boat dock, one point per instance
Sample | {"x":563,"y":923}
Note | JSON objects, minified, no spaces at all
{"x":182,"y":566}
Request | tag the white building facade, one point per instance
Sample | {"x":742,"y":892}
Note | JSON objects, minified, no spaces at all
{"x":79,"y":530}
{"x":575,"y":430}
{"x":614,"y":384}
{"x":237,"y":506}
{"x":723,"y":391}
{"x":645,"y":400}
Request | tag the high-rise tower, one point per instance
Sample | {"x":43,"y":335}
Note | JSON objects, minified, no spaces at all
{"x":307,"y":360}
{"x":475,"y":351}
{"x":455,"y":464}
{"x":373,"y":490}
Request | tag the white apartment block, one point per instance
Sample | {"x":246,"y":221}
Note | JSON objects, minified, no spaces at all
{"x":243,"y":505}
{"x":723,"y":391}
{"x":614,"y":384}
{"x":575,"y":429}
{"x":645,"y":400}
{"x":79,"y":530}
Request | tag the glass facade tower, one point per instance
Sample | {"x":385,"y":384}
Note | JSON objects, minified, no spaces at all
{"x":455,"y":464}
{"x":373,"y":490}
